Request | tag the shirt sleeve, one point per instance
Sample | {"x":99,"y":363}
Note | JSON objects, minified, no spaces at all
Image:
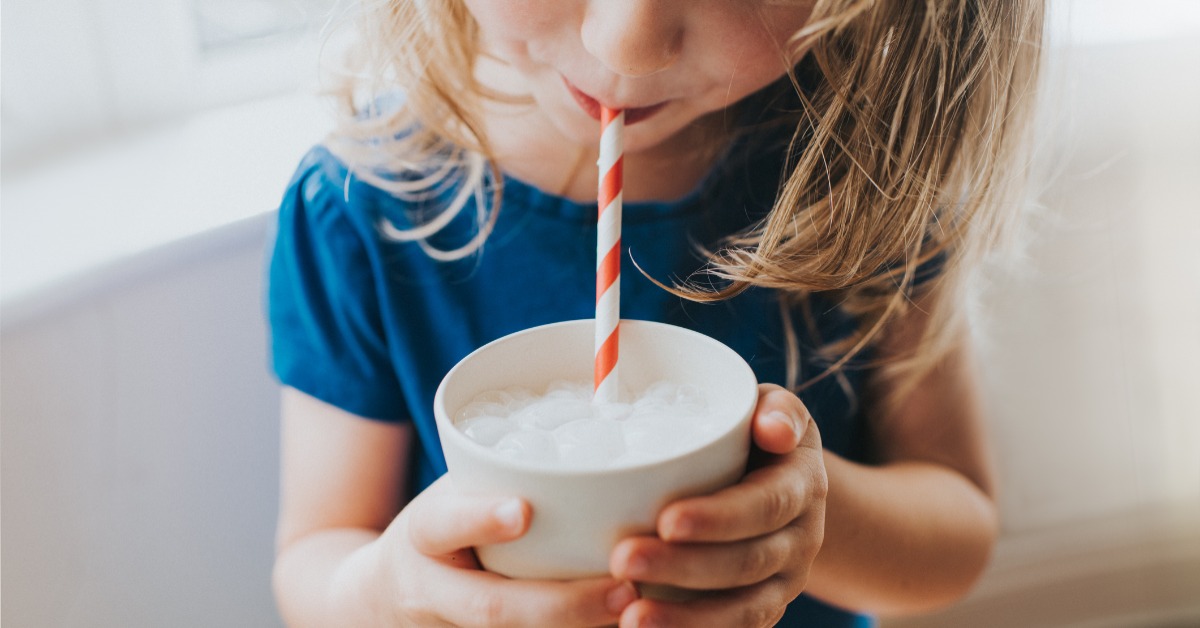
{"x":323,"y":304}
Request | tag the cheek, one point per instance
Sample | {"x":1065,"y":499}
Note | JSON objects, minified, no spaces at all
{"x":758,"y":69}
{"x":518,"y":21}
{"x":758,"y":54}
{"x":744,"y":71}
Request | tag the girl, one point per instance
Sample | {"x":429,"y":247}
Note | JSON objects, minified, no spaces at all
{"x":809,"y":182}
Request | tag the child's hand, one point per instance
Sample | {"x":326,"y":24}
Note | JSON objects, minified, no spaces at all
{"x":751,"y":544}
{"x":435,"y":580}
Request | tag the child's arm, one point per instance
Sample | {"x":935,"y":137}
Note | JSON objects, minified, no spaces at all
{"x":350,"y":553}
{"x":908,"y":535}
{"x":915,"y":532}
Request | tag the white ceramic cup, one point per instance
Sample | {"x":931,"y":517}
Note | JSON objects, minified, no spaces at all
{"x":579,"y":515}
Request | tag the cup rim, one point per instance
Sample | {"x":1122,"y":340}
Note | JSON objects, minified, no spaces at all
{"x":447,"y":429}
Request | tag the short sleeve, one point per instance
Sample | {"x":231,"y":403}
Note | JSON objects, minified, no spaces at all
{"x":327,"y":333}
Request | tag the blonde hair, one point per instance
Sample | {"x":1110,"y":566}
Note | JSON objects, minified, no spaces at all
{"x":909,"y":148}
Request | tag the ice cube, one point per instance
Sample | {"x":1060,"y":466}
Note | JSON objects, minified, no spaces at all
{"x":481,"y":408}
{"x":551,"y":412}
{"x":487,"y":430}
{"x":659,"y":392}
{"x":658,"y":397}
{"x":565,"y":428}
{"x":612,"y":411}
{"x":655,"y":434}
{"x":590,"y":442}
{"x":529,"y":446}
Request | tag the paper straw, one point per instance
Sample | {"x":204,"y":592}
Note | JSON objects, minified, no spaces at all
{"x":608,"y":253}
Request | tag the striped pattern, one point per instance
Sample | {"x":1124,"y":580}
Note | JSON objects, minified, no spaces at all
{"x":608,"y":254}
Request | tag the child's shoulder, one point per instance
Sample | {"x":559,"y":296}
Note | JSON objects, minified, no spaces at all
{"x":323,"y":182}
{"x":320,"y":175}
{"x":324,"y":201}
{"x":328,"y":194}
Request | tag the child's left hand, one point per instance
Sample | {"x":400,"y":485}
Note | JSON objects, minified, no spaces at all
{"x":751,"y":544}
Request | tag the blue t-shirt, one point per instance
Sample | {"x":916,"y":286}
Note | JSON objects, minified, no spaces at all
{"x":372,"y":325}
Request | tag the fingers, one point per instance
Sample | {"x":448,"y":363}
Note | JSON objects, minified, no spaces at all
{"x":710,"y":566}
{"x":766,"y":500}
{"x":443,"y":522}
{"x":478,"y":598}
{"x":769,"y":497}
{"x":761,"y":605}
{"x":780,"y":421}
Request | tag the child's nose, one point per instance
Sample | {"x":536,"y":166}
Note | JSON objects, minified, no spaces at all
{"x":634,"y":37}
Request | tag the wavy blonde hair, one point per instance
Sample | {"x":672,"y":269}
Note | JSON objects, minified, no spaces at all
{"x":910,"y":146}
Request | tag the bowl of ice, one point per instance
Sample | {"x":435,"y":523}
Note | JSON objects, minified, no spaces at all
{"x":516,"y":418}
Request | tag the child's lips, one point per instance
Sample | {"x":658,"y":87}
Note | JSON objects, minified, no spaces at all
{"x":591,"y":106}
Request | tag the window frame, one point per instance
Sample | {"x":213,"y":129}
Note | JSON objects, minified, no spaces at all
{"x":115,"y":66}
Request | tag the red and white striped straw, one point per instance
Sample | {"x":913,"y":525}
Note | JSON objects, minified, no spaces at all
{"x":608,"y":253}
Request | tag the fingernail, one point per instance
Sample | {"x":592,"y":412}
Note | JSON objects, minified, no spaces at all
{"x":792,"y":422}
{"x":637,"y":566}
{"x":648,"y":622}
{"x":620,"y":597}
{"x":509,"y":514}
{"x":680,"y":529}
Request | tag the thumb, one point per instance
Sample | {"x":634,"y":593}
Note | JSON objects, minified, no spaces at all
{"x":442,"y":521}
{"x":780,"y":420}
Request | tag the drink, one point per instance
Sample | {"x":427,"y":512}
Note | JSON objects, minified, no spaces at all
{"x":563,"y":428}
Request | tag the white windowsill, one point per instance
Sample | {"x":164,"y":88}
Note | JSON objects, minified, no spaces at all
{"x":110,"y":203}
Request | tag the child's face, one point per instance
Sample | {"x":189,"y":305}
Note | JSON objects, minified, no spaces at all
{"x":666,"y":62}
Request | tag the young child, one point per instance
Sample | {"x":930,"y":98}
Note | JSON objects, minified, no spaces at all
{"x":809,"y":182}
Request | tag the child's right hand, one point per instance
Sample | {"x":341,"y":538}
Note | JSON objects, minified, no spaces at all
{"x":434,"y":578}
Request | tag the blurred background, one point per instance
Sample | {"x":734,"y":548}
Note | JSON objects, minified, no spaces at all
{"x":147,"y":142}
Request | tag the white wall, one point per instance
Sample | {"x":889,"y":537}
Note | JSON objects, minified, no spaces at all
{"x":140,"y":444}
{"x":1091,"y":356}
{"x":1097,"y":335}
